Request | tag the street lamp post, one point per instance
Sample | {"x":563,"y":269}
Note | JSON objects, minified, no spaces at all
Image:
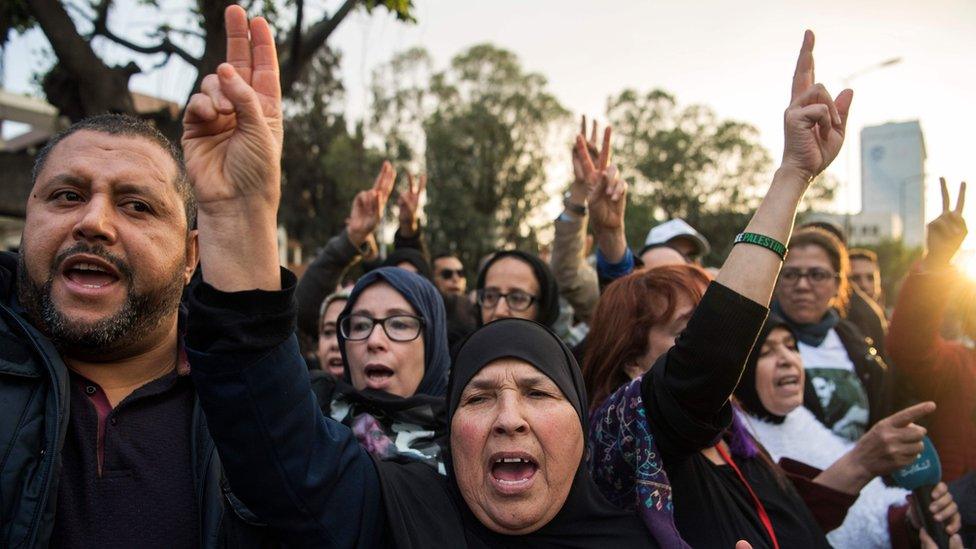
{"x":847,"y":155}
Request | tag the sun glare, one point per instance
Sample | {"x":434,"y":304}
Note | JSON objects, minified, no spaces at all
{"x":965,"y":261}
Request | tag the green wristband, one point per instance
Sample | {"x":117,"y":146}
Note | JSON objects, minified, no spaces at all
{"x":763,"y":241}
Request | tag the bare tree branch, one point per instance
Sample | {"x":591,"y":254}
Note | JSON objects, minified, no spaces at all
{"x":96,"y":87}
{"x":165,"y":46}
{"x":100,"y":24}
{"x":315,"y":38}
{"x":185,"y":32}
{"x":101,"y":14}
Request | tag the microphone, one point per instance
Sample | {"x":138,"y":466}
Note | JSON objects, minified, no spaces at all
{"x":920,"y":477}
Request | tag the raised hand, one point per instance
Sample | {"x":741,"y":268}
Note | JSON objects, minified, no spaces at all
{"x":947,"y":231}
{"x":232,"y":134}
{"x":606,"y":197}
{"x":815,"y":124}
{"x":368,"y":206}
{"x":409,"y":205}
{"x":232,"y":128}
{"x":591,"y":148}
{"x":606,"y":192}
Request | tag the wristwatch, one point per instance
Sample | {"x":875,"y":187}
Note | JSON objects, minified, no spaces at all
{"x":572,"y":207}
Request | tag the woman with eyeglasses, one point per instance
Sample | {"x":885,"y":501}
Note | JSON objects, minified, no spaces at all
{"x":514,"y":284}
{"x":393,"y":340}
{"x":848,"y":385}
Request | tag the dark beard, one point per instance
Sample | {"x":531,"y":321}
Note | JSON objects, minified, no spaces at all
{"x":139,"y":315}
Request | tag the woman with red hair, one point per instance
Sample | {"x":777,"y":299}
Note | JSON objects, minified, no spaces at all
{"x":664,"y":437}
{"x":637,"y":320}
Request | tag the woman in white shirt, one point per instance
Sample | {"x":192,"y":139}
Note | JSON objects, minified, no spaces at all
{"x":848,"y":385}
{"x":770,"y":394}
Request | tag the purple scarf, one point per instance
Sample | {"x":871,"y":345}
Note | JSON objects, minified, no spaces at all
{"x":626,"y":464}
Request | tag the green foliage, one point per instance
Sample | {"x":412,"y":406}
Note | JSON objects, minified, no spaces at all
{"x":685,"y":162}
{"x":481,"y":127}
{"x":401,"y":8}
{"x":324,"y":165}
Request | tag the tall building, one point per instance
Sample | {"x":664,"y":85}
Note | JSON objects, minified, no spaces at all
{"x":893,"y":180}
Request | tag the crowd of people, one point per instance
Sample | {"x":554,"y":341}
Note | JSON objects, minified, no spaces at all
{"x":164,"y":382}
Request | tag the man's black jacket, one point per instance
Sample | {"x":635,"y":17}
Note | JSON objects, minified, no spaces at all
{"x":34,"y":408}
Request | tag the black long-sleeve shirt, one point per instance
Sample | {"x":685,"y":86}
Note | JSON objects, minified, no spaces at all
{"x":686,"y":395}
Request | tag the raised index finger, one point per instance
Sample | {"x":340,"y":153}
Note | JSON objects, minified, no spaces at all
{"x":903,"y":417}
{"x":264,"y":59}
{"x":962,"y":198}
{"x":803,"y":76}
{"x":238,"y":44}
{"x":945,"y":194}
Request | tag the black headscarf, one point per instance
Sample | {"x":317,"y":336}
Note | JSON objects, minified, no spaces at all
{"x":421,"y":514}
{"x":548,"y":298}
{"x":745,"y":392}
{"x":412,"y":256}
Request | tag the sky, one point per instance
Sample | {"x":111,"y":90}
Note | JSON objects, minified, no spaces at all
{"x":736,"y":57}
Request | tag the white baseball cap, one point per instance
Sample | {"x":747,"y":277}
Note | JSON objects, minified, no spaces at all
{"x":676,"y":228}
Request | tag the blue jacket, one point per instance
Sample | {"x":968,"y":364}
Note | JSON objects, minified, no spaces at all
{"x":302,"y":474}
{"x":34,"y":409}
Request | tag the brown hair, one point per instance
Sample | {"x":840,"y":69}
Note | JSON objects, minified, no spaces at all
{"x":836,"y":252}
{"x":627,"y":310}
{"x":862,"y":253}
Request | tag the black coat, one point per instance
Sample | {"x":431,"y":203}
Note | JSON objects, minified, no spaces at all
{"x":34,"y":407}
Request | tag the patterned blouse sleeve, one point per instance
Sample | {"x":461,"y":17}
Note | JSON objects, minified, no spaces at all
{"x":626,"y":465}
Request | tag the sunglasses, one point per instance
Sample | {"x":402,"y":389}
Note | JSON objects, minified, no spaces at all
{"x":448,"y":274}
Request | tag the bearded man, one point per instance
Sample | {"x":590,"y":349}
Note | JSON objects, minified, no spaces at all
{"x":104,"y":441}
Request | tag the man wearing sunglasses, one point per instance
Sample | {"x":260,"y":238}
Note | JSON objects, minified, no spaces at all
{"x":449,"y":275}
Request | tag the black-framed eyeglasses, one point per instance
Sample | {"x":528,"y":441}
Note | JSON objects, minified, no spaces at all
{"x":517,"y":299}
{"x":401,"y":328}
{"x":792,"y":275}
{"x":448,"y":274}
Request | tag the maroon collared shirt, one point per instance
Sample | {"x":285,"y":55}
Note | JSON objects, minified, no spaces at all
{"x":127,"y":473}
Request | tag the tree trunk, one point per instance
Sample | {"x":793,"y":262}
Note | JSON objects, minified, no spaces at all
{"x":81,"y":84}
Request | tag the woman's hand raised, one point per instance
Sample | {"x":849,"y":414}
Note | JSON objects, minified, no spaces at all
{"x":815,"y":124}
{"x":368,"y":206}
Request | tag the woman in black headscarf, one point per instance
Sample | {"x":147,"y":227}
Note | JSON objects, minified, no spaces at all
{"x":770,"y":397}
{"x":514,"y":284}
{"x":516,"y":474}
{"x":392,"y":390}
{"x":527,"y":442}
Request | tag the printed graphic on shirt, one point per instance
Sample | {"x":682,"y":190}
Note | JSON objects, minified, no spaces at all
{"x":390,"y":440}
{"x":843,"y":400}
